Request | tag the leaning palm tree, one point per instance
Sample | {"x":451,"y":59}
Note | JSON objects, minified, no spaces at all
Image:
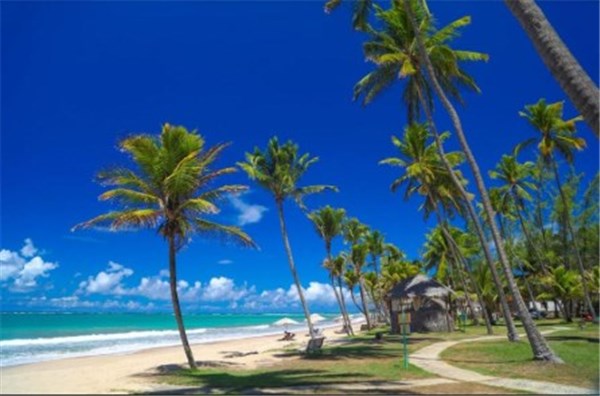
{"x":278,"y":169}
{"x":394,"y":52}
{"x":424,"y":173}
{"x":540,"y":347}
{"x":393,"y":49}
{"x":328,"y":223}
{"x":169,"y":191}
{"x":565,"y":68}
{"x":557,"y":136}
{"x":358,"y":257}
{"x":376,"y":243}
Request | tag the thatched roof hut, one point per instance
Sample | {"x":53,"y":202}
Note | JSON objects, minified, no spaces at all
{"x":427,"y":301}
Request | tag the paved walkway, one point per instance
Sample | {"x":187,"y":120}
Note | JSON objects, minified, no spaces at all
{"x":428,"y":358}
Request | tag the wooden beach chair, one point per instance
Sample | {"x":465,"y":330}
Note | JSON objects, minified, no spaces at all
{"x":315,"y":345}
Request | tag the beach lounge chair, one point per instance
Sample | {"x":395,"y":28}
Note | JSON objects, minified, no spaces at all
{"x":287,"y":336}
{"x":315,"y":345}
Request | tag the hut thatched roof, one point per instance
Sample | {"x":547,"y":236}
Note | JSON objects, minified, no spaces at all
{"x":419,"y":285}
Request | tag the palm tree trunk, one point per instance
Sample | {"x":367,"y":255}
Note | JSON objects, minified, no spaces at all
{"x":339,"y":301}
{"x":462,"y":258}
{"x":571,"y":77}
{"x":356,"y":304}
{"x":529,"y":239}
{"x":337,"y":297}
{"x":363,"y":299}
{"x":586,"y":292}
{"x":288,"y":251}
{"x":176,"y":307}
{"x":345,"y":309}
{"x":511,"y":253}
{"x":508,"y":320}
{"x":541,"y":349}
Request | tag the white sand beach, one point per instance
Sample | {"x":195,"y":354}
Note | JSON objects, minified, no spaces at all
{"x":125,"y":373}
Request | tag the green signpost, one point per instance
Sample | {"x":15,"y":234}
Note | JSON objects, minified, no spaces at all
{"x":405,"y":329}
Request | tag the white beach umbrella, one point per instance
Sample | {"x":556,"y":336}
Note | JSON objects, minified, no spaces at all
{"x":316,"y":318}
{"x":285,"y":322}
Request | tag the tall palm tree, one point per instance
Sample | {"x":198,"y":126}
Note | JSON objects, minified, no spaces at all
{"x":425,"y":174}
{"x":337,"y":267}
{"x":358,"y":258}
{"x":395,"y":52}
{"x":565,"y":68}
{"x":514,"y":192}
{"x":540,"y":348}
{"x":169,"y":190}
{"x":328,"y":223}
{"x":278,"y":169}
{"x":557,"y":135}
{"x":351,"y":278}
{"x":376,"y":243}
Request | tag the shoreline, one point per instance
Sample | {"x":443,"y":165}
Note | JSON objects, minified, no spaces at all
{"x":128,"y":372}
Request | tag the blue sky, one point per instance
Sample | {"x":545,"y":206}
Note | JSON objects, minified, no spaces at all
{"x":77,"y":77}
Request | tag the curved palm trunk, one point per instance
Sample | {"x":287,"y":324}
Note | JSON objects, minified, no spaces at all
{"x":337,"y":297}
{"x":363,"y":299}
{"x":345,"y":308}
{"x":540,"y":348}
{"x":571,"y":77}
{"x":356,"y":304}
{"x":462,"y":258}
{"x":586,"y":292}
{"x":176,"y":307}
{"x":339,"y":301}
{"x":512,"y":334}
{"x":288,"y":251}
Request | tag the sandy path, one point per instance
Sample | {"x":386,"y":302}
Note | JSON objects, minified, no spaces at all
{"x":121,"y":373}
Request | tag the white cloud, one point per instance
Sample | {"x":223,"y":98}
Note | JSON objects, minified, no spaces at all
{"x":249,"y":214}
{"x":29,"y":250}
{"x":20,"y":271}
{"x":225,"y":262}
{"x":223,"y":289}
{"x":107,"y":282}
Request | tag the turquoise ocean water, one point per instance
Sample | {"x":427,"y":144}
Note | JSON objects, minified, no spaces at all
{"x":33,"y":337}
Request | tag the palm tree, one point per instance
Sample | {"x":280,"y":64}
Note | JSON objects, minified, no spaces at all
{"x":351,"y":278}
{"x":169,"y":191}
{"x":540,"y":348}
{"x":358,"y":258}
{"x":441,"y":252}
{"x":337,"y":267}
{"x":558,"y":135}
{"x":565,"y":285}
{"x":376,"y":243}
{"x":395,"y":52}
{"x":360,"y":14}
{"x":571,"y":77}
{"x":425,"y":174}
{"x":328,"y":223}
{"x":278,"y":169}
{"x":515,"y":176}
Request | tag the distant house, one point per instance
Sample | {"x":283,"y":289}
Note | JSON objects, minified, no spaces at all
{"x":426,"y":300}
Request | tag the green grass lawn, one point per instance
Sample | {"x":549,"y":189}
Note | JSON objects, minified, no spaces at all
{"x":359,"y":359}
{"x":578,"y":348}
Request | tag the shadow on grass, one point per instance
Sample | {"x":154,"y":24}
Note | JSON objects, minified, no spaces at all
{"x":360,"y":348}
{"x":572,"y":338}
{"x":207,"y":381}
